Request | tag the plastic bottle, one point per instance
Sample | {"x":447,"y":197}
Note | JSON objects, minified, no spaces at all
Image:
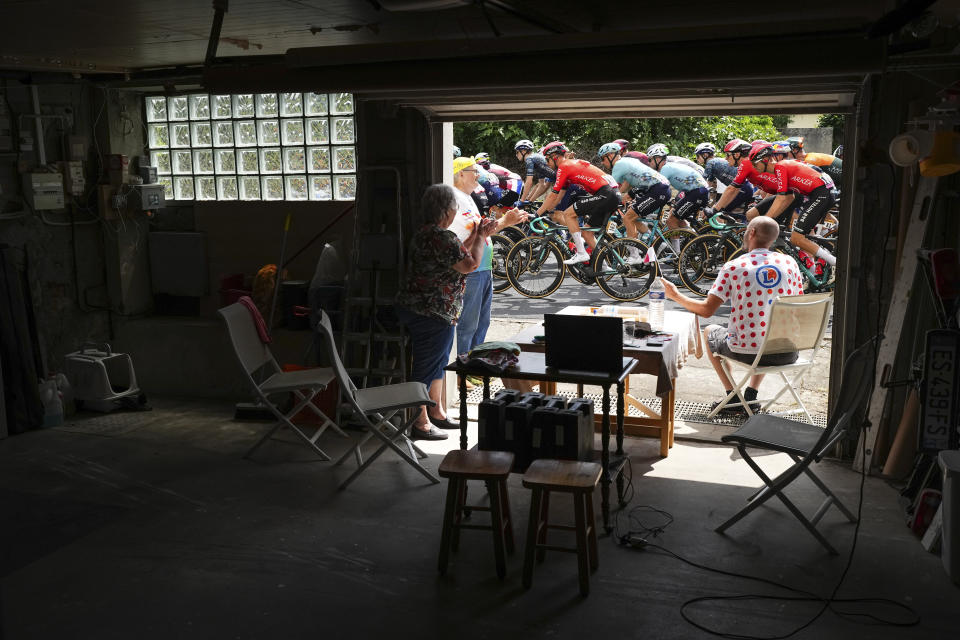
{"x":656,"y":296}
{"x":52,"y":405}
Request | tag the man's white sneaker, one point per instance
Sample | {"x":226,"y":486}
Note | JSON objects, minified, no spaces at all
{"x":635,"y":257}
{"x":580,"y":257}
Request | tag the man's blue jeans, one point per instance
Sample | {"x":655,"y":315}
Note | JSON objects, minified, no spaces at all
{"x":475,"y":318}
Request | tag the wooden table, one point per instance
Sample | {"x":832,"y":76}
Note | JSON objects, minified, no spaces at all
{"x":650,"y":361}
{"x":533,"y":367}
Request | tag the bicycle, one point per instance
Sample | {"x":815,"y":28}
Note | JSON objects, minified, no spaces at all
{"x":535,"y":266}
{"x":702,"y":259}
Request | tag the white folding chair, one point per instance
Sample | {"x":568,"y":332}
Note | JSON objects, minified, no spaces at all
{"x":376,"y":407}
{"x":255,"y":356}
{"x":795,"y":323}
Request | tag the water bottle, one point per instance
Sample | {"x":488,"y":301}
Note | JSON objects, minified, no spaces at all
{"x":656,"y":297}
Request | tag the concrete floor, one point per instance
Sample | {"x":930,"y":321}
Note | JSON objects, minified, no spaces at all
{"x":152,"y":525}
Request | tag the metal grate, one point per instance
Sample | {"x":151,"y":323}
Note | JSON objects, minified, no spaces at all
{"x":683,"y":410}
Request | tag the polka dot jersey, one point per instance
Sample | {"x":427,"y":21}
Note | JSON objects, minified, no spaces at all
{"x":750,"y":283}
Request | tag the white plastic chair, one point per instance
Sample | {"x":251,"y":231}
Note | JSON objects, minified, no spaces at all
{"x":253,"y":356}
{"x":376,"y":407}
{"x":796,"y":323}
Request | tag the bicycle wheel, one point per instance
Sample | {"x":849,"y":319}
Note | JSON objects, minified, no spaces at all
{"x":501,"y":247}
{"x":616,"y":277}
{"x":535,"y":267}
{"x":668,"y":258}
{"x":701,"y":260}
{"x":513,"y":234}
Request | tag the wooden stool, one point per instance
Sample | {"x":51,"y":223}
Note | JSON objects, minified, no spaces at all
{"x":567,"y":476}
{"x":493,"y":467}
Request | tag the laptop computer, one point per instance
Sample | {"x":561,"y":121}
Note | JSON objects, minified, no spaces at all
{"x":583,"y":343}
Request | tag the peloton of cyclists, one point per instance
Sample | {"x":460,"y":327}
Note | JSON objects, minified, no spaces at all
{"x":720,"y":170}
{"x":692,"y":188}
{"x":796,"y":180}
{"x":601,"y":198}
{"x":829,"y":164}
{"x":648,"y":188}
{"x":509,"y":181}
{"x":538,"y":174}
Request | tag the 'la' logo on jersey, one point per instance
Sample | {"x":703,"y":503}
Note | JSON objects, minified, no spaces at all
{"x":768,"y":277}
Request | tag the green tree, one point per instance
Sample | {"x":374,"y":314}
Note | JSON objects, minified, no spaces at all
{"x":584,"y":137}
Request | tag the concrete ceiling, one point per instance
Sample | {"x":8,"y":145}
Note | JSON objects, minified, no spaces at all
{"x":105,"y":35}
{"x":467,"y":59}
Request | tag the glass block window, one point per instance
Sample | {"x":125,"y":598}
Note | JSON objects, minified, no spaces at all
{"x":254,"y":146}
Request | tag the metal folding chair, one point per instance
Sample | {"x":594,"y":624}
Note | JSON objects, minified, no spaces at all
{"x":805,"y":444}
{"x":254,"y":356}
{"x":795,"y":323}
{"x":376,"y":407}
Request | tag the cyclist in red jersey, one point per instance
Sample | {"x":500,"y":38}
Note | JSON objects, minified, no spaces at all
{"x":601,"y":199}
{"x":736,"y":152}
{"x":795,"y":179}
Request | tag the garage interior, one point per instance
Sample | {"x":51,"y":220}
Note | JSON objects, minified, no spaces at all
{"x":153,"y":523}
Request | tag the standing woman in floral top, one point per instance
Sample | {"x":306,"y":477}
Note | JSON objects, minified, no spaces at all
{"x":430,"y":298}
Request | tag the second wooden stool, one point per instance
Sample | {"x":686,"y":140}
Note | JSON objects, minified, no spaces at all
{"x":493,"y":467}
{"x":566,"y":476}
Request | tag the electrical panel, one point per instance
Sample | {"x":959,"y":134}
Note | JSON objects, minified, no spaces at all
{"x":74,"y":181}
{"x":43,"y":190}
{"x":147,"y":197}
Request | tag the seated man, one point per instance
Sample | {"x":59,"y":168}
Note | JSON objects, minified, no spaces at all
{"x":750,"y":282}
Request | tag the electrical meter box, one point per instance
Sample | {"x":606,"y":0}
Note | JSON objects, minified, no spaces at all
{"x":148,"y":197}
{"x":43,"y":190}
{"x":74,"y":182}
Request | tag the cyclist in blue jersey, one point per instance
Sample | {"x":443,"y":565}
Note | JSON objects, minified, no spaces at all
{"x":691,"y":185}
{"x":648,"y":188}
{"x":717,"y":169}
{"x":686,"y":161}
{"x":538,"y":174}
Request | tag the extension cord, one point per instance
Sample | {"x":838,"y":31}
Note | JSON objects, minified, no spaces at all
{"x":633,"y":540}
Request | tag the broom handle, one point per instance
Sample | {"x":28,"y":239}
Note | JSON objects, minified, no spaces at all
{"x":276,"y":280}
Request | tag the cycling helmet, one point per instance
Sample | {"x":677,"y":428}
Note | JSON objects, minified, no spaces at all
{"x":610,"y":147}
{"x":781,"y":147}
{"x":456,"y":151}
{"x":483,"y":159}
{"x":760,"y":150}
{"x":795,"y":142}
{"x":658,"y":151}
{"x":624,"y":144}
{"x":838,"y":152}
{"x":736,"y":146}
{"x":642,"y":157}
{"x":554,"y":148}
{"x":705,"y":147}
{"x":523,"y":145}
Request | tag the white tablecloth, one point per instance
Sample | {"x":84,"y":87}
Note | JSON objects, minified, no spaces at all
{"x":683,"y":323}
